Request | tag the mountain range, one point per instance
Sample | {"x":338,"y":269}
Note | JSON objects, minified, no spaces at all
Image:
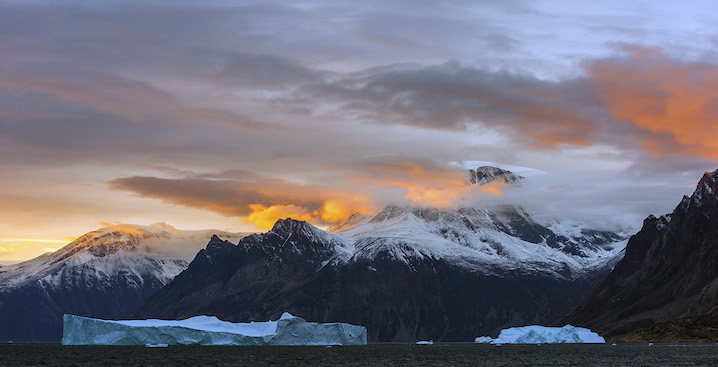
{"x":406,"y":274}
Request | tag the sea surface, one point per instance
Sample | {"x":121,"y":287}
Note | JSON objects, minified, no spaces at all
{"x":370,"y":355}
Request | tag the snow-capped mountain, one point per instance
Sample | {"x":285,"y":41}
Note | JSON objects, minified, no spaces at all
{"x":668,"y":280}
{"x":525,"y":172}
{"x":483,"y":240}
{"x":406,"y":274}
{"x":104,"y":273}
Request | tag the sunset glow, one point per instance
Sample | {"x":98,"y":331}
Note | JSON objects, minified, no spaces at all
{"x":264,"y":217}
{"x":664,"y":96}
{"x":231,"y":116}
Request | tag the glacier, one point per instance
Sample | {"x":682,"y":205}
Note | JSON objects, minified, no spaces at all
{"x":535,"y":334}
{"x":209,"y":330}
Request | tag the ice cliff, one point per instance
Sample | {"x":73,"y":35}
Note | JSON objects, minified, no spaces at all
{"x":541,"y":334}
{"x":208,"y":330}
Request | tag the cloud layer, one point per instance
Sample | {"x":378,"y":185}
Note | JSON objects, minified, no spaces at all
{"x":259,"y":199}
{"x":239,"y":114}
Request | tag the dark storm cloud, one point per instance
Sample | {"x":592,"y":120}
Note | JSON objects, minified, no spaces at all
{"x":452,"y":96}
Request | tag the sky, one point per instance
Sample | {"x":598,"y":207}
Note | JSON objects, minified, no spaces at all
{"x":231,"y":114}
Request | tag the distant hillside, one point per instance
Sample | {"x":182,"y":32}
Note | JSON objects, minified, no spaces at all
{"x":104,"y":273}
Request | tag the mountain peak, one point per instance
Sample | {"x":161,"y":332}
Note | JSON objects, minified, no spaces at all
{"x":217,"y":248}
{"x":286,"y":228}
{"x":216,"y":243}
{"x":484,"y":175}
{"x":288,"y":225}
{"x":706,"y":189}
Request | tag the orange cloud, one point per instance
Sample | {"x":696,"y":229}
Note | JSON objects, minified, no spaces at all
{"x":264,"y":217}
{"x":495,"y":188}
{"x":333,"y":211}
{"x":430,"y":186}
{"x":663,"y":96}
{"x":261,"y":200}
{"x":427,"y":184}
{"x":257,"y":199}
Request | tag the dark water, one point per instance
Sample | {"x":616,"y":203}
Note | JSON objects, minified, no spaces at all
{"x":371,"y":355}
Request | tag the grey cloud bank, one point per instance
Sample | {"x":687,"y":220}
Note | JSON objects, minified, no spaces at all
{"x":310,"y":102}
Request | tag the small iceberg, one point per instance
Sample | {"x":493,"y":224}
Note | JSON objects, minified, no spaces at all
{"x":156,"y":345}
{"x":483,"y":340}
{"x":425,"y":342}
{"x":208,"y":330}
{"x":535,"y":334}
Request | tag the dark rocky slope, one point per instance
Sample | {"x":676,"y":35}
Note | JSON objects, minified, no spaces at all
{"x":669,"y":272}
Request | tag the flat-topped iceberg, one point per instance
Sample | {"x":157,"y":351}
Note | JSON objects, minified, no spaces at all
{"x":208,"y":330}
{"x":542,"y":334}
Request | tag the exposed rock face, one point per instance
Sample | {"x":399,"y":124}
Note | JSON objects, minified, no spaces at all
{"x":487,"y":174}
{"x":105,"y":273}
{"x":405,"y":274}
{"x":669,"y":271}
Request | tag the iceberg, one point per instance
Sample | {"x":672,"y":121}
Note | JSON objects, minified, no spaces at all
{"x":208,"y":330}
{"x":483,"y":339}
{"x":535,"y":334}
{"x":156,"y":345}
